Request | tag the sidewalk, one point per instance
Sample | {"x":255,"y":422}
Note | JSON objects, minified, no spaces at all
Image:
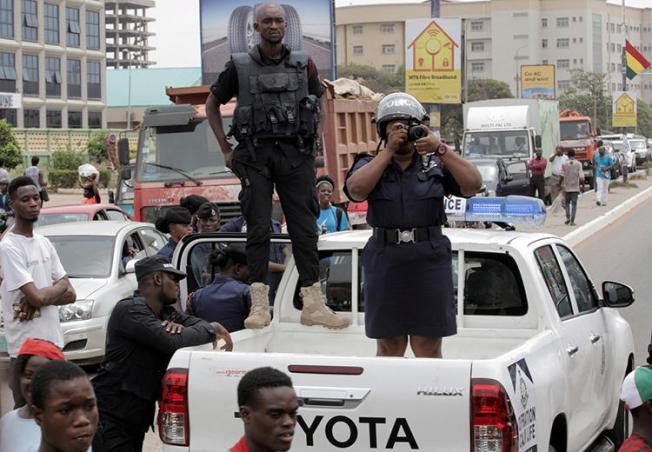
{"x":587,"y":210}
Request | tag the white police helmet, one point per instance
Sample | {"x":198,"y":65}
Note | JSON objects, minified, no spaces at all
{"x":397,"y":106}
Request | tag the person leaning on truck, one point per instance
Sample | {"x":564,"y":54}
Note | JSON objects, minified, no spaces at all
{"x":268,"y":409}
{"x":407,"y":262}
{"x":277,"y":125}
{"x":143,"y":333}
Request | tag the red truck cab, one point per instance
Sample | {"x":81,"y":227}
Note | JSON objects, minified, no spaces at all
{"x":577,"y":133}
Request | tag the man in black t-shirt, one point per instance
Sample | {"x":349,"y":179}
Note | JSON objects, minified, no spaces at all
{"x":277,"y":126}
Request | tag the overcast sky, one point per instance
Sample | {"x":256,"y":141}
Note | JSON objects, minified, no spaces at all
{"x":177,"y":31}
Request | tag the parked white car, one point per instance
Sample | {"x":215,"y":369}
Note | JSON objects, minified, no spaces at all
{"x":94,"y":255}
{"x":537,"y":362}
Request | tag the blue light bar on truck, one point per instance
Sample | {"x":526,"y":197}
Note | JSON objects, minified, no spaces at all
{"x":506,"y":209}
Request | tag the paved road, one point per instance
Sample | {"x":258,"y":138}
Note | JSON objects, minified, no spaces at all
{"x":621,"y":252}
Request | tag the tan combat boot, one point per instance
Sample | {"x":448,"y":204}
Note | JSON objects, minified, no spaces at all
{"x":315,"y":311}
{"x":259,"y":316}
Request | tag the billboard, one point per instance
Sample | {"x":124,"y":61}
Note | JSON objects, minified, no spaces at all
{"x":538,"y":81}
{"x":623,"y":109}
{"x":433,"y":60}
{"x":227,"y":26}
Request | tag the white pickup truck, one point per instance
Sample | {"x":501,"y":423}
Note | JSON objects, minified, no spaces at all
{"x":536,"y":365}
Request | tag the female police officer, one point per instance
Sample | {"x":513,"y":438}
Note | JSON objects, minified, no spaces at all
{"x":407,"y":262}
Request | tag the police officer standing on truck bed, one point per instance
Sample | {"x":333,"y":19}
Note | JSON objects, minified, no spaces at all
{"x":407,"y":262}
{"x":276,"y":123}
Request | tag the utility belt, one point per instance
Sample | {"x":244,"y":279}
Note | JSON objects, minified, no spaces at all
{"x":397,"y":236}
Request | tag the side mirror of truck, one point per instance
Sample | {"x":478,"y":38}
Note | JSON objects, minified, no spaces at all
{"x":537,"y":142}
{"x":125,"y":173}
{"x":111,"y":197}
{"x":123,"y":151}
{"x":617,"y":295}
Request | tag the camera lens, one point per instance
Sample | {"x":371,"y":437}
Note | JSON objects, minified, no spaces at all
{"x":415,"y":132}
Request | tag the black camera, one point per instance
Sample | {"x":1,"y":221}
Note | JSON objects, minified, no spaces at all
{"x":415,"y":131}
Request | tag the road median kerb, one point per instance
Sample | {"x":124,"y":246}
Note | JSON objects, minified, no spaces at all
{"x":582,"y":233}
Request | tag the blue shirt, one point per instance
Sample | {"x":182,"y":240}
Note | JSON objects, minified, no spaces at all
{"x":168,"y":249}
{"x":327,"y":221}
{"x":602,"y":162}
{"x":225,"y":300}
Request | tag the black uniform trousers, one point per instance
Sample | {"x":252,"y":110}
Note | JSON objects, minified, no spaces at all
{"x":123,"y":423}
{"x":278,"y":164}
{"x":538,"y":186}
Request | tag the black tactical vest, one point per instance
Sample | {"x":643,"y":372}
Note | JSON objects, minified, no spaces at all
{"x":273,"y":100}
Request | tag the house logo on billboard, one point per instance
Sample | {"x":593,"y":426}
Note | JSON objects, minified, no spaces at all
{"x":625,"y":104}
{"x":433,"y":50}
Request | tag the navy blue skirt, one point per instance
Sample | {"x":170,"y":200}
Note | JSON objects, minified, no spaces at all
{"x":408,"y":289}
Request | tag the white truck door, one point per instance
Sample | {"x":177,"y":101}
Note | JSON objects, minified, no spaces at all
{"x":357,"y":404}
{"x":592,"y":325}
{"x":575,"y":350}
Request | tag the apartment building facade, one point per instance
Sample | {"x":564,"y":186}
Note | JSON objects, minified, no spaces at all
{"x":128,"y":34}
{"x":52,"y":61}
{"x":502,"y":35}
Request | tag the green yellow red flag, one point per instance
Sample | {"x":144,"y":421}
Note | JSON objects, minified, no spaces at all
{"x":636,"y":63}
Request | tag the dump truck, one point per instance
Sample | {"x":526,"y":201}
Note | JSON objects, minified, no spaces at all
{"x":577,"y":133}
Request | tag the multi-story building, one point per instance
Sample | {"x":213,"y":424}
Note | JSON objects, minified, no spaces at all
{"x":127,"y":34}
{"x":52,"y":60}
{"x":502,"y":35}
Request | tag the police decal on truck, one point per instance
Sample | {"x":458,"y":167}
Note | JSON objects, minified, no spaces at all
{"x":524,"y":405}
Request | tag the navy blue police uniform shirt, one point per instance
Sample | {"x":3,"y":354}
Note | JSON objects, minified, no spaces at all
{"x":225,"y":300}
{"x":168,"y":249}
{"x":410,"y":198}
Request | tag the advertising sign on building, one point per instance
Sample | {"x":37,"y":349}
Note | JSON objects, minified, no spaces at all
{"x":227,"y":26}
{"x":433,"y":60}
{"x":623,"y":109}
{"x":538,"y":81}
{"x":10,"y":101}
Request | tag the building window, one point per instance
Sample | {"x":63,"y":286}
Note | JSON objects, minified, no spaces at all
{"x":388,"y":49}
{"x":544,"y":61}
{"x":387,"y":28}
{"x":53,"y":119}
{"x":477,"y":67}
{"x":74,"y":119}
{"x":389,"y":68}
{"x":30,"y":20}
{"x":619,"y":48}
{"x":30,"y":75}
{"x":477,"y":25}
{"x":72,"y":27}
{"x":51,"y":23}
{"x":31,"y":118}
{"x":92,"y":30}
{"x":581,"y":40}
{"x":521,"y":36}
{"x":94,"y":80}
{"x":94,"y":119}
{"x":563,"y":85}
{"x":612,"y":67}
{"x":562,"y":22}
{"x":357,"y":50}
{"x":477,"y":46}
{"x":356,"y":29}
{"x":581,"y":18}
{"x":563,"y":43}
{"x":9,"y":115}
{"x":544,"y":23}
{"x":7,"y":72}
{"x":74,"y":79}
{"x":53,"y":76}
{"x":544,"y":43}
{"x":520,"y":14}
{"x":563,"y":64}
{"x":613,"y":47}
{"x":7,"y":19}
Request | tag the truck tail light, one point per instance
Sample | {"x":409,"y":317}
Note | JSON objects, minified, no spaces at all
{"x":493,"y":423}
{"x":173,"y":408}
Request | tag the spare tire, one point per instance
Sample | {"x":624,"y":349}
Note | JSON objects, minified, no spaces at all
{"x":293,"y":34}
{"x":241,"y":29}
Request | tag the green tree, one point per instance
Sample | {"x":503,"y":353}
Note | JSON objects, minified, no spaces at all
{"x":587,"y":96}
{"x":372,"y":78}
{"x":10,"y":155}
{"x":96,"y":147}
{"x":67,"y":159}
{"x":644,"y":118}
{"x":487,"y":89}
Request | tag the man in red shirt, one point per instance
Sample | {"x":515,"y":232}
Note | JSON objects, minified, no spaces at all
{"x":537,"y":167}
{"x":637,"y":395}
{"x":268,"y":409}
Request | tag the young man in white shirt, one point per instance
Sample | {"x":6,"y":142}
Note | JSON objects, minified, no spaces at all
{"x":34,"y":282}
{"x":557,"y":161}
